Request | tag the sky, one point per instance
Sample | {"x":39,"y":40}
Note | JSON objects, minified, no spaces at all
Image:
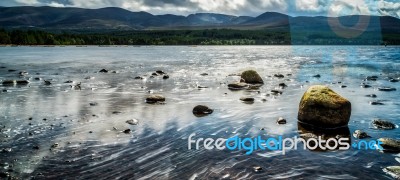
{"x":232,"y":7}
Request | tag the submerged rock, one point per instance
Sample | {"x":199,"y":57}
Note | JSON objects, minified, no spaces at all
{"x":132,"y":122}
{"x":279,"y":75}
{"x":371,"y":78}
{"x":138,"y":77}
{"x":365,"y":85}
{"x":257,"y":169}
{"x":276,"y":92}
{"x":201,"y":110}
{"x":282,"y":85}
{"x":371,"y":95}
{"x":8,"y":82}
{"x":237,"y":86}
{"x":251,"y":77}
{"x":393,"y":171}
{"x":376,"y":103}
{"x":317,"y":76}
{"x":390,"y":145}
{"x":22,"y":82}
{"x":103,"y":71}
{"x":165,"y":77}
{"x":322,"y":107}
{"x":46,"y":82}
{"x":155,"y":98}
{"x":247,"y":99}
{"x":382,"y":124}
{"x":204,"y":74}
{"x":393,"y":80}
{"x":160,"y":72}
{"x":127,"y":131}
{"x":386,"y":89}
{"x":281,"y":120}
{"x":360,"y":134}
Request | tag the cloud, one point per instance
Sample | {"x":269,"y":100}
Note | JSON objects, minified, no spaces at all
{"x":236,"y":7}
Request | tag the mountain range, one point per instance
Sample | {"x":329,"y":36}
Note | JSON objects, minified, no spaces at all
{"x":113,"y":18}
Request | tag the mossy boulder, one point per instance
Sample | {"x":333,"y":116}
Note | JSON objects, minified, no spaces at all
{"x":251,"y":77}
{"x":322,"y":107}
{"x":394,"y":171}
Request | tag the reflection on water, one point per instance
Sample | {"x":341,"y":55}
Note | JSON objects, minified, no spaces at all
{"x":89,"y":124}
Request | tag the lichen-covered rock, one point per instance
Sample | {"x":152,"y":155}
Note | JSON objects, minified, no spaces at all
{"x":322,"y":107}
{"x":383,"y":124}
{"x":389,"y":144}
{"x":394,"y":171}
{"x":251,"y":77}
{"x":155,"y":98}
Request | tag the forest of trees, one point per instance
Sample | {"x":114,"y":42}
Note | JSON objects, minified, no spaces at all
{"x":182,"y":37}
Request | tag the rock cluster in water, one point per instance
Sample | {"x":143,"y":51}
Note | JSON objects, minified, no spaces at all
{"x":322,"y":107}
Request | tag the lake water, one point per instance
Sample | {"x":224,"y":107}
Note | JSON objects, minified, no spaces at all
{"x":91,"y":143}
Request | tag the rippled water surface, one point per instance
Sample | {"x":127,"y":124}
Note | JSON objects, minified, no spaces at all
{"x":91,"y":143}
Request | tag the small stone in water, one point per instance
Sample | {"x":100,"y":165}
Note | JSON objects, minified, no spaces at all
{"x":376,"y":103}
{"x":54,"y":145}
{"x":165,"y":77}
{"x":127,"y":131}
{"x":132,"y":122}
{"x":257,"y":168}
{"x":371,"y":95}
{"x":360,"y":134}
{"x":281,"y":120}
{"x":382,"y":124}
{"x":317,"y":76}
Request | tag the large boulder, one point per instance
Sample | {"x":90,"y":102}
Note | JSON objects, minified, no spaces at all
{"x":324,"y":108}
{"x":251,"y":77}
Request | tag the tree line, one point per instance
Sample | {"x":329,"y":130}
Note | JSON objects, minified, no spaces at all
{"x":181,"y":37}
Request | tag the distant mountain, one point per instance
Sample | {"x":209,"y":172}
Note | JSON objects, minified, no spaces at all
{"x":120,"y":19}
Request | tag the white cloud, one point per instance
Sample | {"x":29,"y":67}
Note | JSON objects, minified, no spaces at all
{"x":236,"y":7}
{"x":389,"y":8}
{"x":308,"y":5}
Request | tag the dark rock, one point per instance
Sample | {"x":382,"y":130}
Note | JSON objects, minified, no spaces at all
{"x":160,"y":72}
{"x":154,"y":74}
{"x":382,"y":124}
{"x":247,"y":99}
{"x":371,"y":95}
{"x":282,"y":85}
{"x":322,"y":107}
{"x":317,"y":76}
{"x":204,"y":74}
{"x":393,"y":80}
{"x":55,"y":145}
{"x":386,"y":89}
{"x":46,"y":82}
{"x":165,"y":77}
{"x":37,"y":78}
{"x":279,"y":75}
{"x":201,"y":110}
{"x":5,"y":175}
{"x":281,"y":120}
{"x":116,"y":112}
{"x":202,"y":87}
{"x":114,"y":72}
{"x":22,"y":82}
{"x":69,"y":81}
{"x":251,"y":77}
{"x":23,"y":73}
{"x":376,"y":103}
{"x":360,"y":134}
{"x":343,"y":86}
{"x":132,"y":122}
{"x":371,"y":78}
{"x":237,"y":86}
{"x":390,"y":145}
{"x":365,"y":85}
{"x":8,"y":82}
{"x":36,"y":147}
{"x":12,"y":70}
{"x":127,"y":131}
{"x":138,"y":77}
{"x":103,"y":71}
{"x":276,"y":92}
{"x":93,"y":104}
{"x":155,"y":98}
